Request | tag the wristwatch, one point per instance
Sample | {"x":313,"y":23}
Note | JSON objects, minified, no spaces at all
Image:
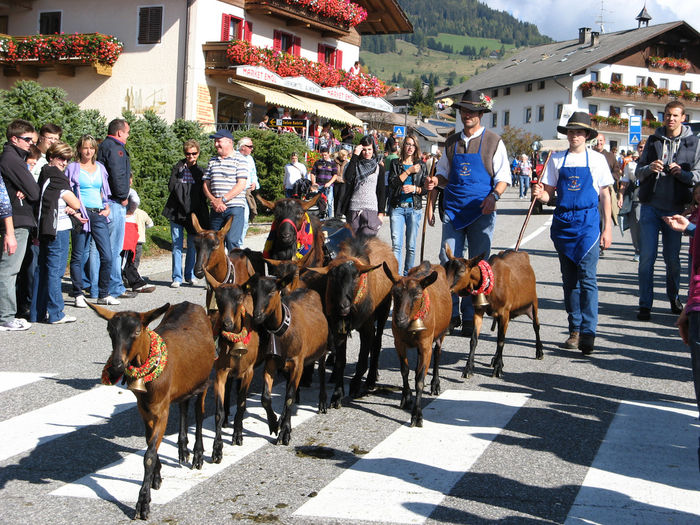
{"x":223,"y":200}
{"x":495,"y":195}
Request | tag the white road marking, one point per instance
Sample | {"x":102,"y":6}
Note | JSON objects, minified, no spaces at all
{"x":10,"y":380}
{"x":646,"y":470}
{"x":27,"y":431}
{"x":407,"y":475}
{"x":534,"y":234}
{"x":121,"y":480}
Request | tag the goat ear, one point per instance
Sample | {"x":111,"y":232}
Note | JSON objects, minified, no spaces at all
{"x":269,"y":205}
{"x":227,"y":226}
{"x":103,"y":312}
{"x":285,"y":280}
{"x":247,"y":286}
{"x":308,"y":204}
{"x":448,"y":251}
{"x":147,"y":317}
{"x":249,"y":266}
{"x":475,"y":260}
{"x":195,"y":223}
{"x":364,"y":268}
{"x":272,"y":262}
{"x":210,"y":279}
{"x":390,"y":273}
{"x":428,"y":280}
{"x":322,"y":270}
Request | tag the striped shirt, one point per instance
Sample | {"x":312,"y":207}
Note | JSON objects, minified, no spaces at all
{"x":223,"y":173}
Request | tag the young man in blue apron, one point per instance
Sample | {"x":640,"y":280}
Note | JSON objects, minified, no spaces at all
{"x":474,"y":172}
{"x":578,"y":175}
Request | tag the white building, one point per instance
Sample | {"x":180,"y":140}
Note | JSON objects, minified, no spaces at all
{"x":174,"y":55}
{"x":543,"y":84}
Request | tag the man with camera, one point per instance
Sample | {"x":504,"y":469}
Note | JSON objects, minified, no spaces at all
{"x":667,"y":171}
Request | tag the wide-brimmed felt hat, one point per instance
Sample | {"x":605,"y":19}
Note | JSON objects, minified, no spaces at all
{"x":579,"y":120}
{"x":474,"y":101}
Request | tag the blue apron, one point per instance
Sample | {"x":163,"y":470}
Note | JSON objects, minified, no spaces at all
{"x":468,"y":185}
{"x":576,"y":222}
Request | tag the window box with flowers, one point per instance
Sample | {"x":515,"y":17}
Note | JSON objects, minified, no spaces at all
{"x":342,"y":14}
{"x":100,"y":51}
{"x":661,"y":92}
{"x":616,"y":87}
{"x":647,"y":90}
{"x":680,"y":64}
{"x":632,"y":90}
{"x":688,"y":95}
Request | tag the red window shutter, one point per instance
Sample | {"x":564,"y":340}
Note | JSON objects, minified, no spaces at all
{"x":277,"y":41}
{"x":321,"y":53}
{"x":338,"y":59}
{"x":296,"y":47}
{"x":225,"y":27}
{"x":248,"y":36}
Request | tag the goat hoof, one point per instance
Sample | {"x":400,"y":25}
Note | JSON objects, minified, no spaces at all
{"x":142,"y":511}
{"x":217,"y":455}
{"x":467,"y":374}
{"x":435,"y":389}
{"x":539,"y":354}
{"x":237,"y":439}
{"x":283,"y":438}
{"x":498,"y":373}
{"x":323,"y":407}
{"x":405,"y":402}
{"x":183,"y":457}
{"x":225,"y":423}
{"x":197,"y":461}
{"x":156,"y":483}
{"x":416,"y":421}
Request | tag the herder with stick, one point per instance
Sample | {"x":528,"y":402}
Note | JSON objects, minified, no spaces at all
{"x":580,"y":177}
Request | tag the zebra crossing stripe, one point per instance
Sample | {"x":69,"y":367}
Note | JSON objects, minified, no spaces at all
{"x":408,"y":474}
{"x":121,"y":480}
{"x":29,"y":430}
{"x":10,"y":380}
{"x":646,"y":470}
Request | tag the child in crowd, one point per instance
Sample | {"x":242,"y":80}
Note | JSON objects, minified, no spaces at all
{"x":135,"y":226}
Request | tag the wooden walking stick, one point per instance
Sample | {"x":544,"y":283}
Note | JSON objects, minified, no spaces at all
{"x":428,"y":204}
{"x":532,"y":204}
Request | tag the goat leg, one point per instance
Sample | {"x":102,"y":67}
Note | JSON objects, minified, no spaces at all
{"x":435,"y":382}
{"x":382,"y":315}
{"x":403,"y":362}
{"x":183,"y":454}
{"x":497,"y":361}
{"x":285,"y":432}
{"x":322,"y":395}
{"x":469,"y":368}
{"x":241,"y":401}
{"x":198,"y":450}
{"x":266,"y":398}
{"x":539,"y":354}
{"x":421,"y":368}
{"x":366,"y":341}
{"x":220,"y":382}
{"x":227,"y":401}
{"x":338,"y":377}
{"x":150,"y":463}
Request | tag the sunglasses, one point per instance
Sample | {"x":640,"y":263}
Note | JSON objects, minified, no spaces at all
{"x":28,"y":140}
{"x":193,"y":154}
{"x":249,"y":146}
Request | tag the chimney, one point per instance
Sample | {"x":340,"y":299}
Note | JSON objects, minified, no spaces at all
{"x":584,"y":34}
{"x":595,"y":38}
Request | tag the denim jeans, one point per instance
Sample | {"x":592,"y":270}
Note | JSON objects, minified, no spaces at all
{"x":581,"y":291}
{"x":177,"y":233}
{"x":117,"y":218}
{"x":9,"y":268}
{"x":48,"y":296}
{"x":91,"y":267}
{"x":246,"y":217}
{"x":25,"y":277}
{"x":524,"y":184}
{"x":476,"y":239}
{"x":81,"y":244}
{"x":404,"y":222}
{"x":217,"y":220}
{"x":650,"y":224}
{"x":328,"y":192}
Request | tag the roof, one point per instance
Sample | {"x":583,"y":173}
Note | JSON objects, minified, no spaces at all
{"x":426,"y":132}
{"x":569,"y":57}
{"x":384,"y":17}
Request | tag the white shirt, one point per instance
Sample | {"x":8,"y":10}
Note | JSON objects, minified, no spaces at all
{"x":597,"y":163}
{"x":501,"y":165}
{"x":292,"y":173}
{"x":252,"y":172}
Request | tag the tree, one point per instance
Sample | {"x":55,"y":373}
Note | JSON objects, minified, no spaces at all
{"x":429,"y":99}
{"x":518,"y":141}
{"x":416,"y":93}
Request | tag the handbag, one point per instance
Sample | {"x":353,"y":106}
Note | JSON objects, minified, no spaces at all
{"x":77,"y":225}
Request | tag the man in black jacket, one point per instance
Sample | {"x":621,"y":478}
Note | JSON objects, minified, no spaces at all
{"x":23,"y":192}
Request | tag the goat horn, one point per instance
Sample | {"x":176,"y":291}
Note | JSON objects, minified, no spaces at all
{"x":195,"y":223}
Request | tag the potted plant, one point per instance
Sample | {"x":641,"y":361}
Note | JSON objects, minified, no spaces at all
{"x":632,"y":90}
{"x":647,"y":90}
{"x":661,"y":92}
{"x":617,"y":87}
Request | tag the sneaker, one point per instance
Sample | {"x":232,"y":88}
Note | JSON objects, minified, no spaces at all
{"x":635,"y":258}
{"x":676,"y":306}
{"x":585,"y":343}
{"x":80,"y":301}
{"x":128,"y":295}
{"x":108,"y":300}
{"x":65,"y":319}
{"x":14,"y":325}
{"x":644,"y":314}
{"x":175,"y":284}
{"x":23,"y":322}
{"x":572,"y":343}
{"x":146,"y":288}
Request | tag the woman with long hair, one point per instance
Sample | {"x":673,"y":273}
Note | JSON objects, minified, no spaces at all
{"x":88,"y":179}
{"x":341,"y":159}
{"x":406,"y":178}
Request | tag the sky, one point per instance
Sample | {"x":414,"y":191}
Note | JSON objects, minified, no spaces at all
{"x":560,"y":19}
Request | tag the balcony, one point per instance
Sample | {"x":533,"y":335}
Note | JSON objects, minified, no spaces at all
{"x":618,"y":125}
{"x":27,"y":55}
{"x":299,"y":15}
{"x":636,"y":94}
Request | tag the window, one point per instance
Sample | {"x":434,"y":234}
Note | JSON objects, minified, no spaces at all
{"x":528,"y":114}
{"x":494,"y":93}
{"x":50,"y":23}
{"x":540,"y":113}
{"x":4,"y":20}
{"x":288,"y":43}
{"x":663,"y":83}
{"x":506,"y":118}
{"x":660,"y":116}
{"x":559,"y":110}
{"x":540,"y":84}
{"x":593,"y":109}
{"x":528,"y":88}
{"x":639,"y":112}
{"x":640,"y":81}
{"x":150,"y":24}
{"x":615,"y":111}
{"x":688,"y":117}
{"x":506,"y":91}
{"x":594,"y":76}
{"x":231,"y":28}
{"x":330,"y":55}
{"x":686,"y":85}
{"x":613,"y":146}
{"x":494,"y":119}
{"x":616,"y":78}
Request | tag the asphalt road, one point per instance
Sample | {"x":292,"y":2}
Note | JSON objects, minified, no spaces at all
{"x":602,"y":439}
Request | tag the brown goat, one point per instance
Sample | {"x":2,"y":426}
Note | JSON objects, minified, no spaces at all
{"x":189,"y":343}
{"x":297,"y":327}
{"x":514,"y":293}
{"x":423,"y":294}
{"x":232,"y":322}
{"x":358,"y":298}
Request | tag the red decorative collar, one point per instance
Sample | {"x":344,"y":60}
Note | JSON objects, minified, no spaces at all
{"x":487,"y":279}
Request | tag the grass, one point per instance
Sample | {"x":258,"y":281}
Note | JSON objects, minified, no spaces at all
{"x":459,"y":41}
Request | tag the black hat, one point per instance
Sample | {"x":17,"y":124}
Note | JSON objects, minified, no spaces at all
{"x":579,"y":120}
{"x":222,"y":134}
{"x":475,"y":101}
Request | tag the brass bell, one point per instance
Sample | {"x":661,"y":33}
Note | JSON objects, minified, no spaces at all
{"x":480,"y":301}
{"x":137,"y":385}
{"x":240,"y":348}
{"x":416,"y":325}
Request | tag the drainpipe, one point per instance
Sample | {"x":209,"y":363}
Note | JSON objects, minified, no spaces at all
{"x":556,"y":81}
{"x":186,"y":59}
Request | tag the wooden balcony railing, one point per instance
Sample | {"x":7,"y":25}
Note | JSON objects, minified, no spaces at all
{"x":297,"y":16}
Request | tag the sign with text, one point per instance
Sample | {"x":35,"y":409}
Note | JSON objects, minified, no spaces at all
{"x":290,"y":122}
{"x":635,"y":129}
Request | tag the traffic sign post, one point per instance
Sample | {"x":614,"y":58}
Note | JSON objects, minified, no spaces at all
{"x":399,"y":132}
{"x":635,"y":129}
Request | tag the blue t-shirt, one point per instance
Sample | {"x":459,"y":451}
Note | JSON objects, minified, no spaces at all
{"x":90,"y":186}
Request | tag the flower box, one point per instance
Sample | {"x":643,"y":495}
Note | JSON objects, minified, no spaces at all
{"x":680,"y":64}
{"x":639,"y":93}
{"x":328,"y":14}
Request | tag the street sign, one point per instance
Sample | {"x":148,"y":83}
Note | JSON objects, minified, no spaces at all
{"x":635,"y":129}
{"x":399,"y":132}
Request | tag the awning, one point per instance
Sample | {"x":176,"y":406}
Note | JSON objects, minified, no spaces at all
{"x":328,"y":110}
{"x":272,"y":96}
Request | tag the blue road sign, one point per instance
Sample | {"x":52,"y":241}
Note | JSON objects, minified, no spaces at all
{"x":399,"y":132}
{"x":635,"y":129}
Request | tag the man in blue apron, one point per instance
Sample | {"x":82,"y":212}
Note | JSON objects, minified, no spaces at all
{"x":474,"y":172}
{"x":578,"y":175}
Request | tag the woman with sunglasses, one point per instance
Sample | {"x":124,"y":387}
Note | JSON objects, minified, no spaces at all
{"x":406,"y":177}
{"x":56,"y":204}
{"x":186,"y":197}
{"x":88,"y":179}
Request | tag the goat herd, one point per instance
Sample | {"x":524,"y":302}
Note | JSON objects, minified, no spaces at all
{"x":288,"y":321}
